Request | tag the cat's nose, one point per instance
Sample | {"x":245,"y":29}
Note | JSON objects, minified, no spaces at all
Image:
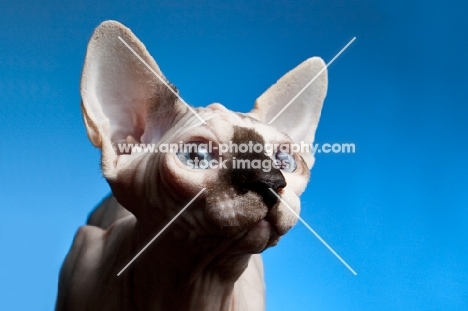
{"x":260,"y":182}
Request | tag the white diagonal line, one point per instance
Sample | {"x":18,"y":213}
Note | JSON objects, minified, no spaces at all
{"x":161,"y":79}
{"x":314,"y":233}
{"x":313,"y":79}
{"x":162,"y":230}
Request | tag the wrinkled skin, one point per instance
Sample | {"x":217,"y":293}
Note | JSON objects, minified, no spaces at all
{"x":208,"y":258}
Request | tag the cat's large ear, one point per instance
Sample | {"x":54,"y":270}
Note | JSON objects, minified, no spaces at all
{"x":300,"y":119}
{"x":120,"y":94}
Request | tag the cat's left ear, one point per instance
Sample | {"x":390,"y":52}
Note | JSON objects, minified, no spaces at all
{"x":123,"y":100}
{"x":300,"y":119}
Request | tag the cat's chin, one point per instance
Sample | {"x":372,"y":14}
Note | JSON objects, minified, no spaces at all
{"x":258,"y":238}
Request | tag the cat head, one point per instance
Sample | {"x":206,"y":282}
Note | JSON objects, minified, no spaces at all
{"x":127,"y":100}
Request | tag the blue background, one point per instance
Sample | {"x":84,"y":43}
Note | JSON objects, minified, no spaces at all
{"x":396,"y":210}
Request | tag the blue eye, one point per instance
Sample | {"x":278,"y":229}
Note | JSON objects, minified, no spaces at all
{"x":286,"y":163}
{"x":195,"y":154}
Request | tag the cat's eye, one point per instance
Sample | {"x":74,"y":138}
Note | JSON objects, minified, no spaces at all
{"x":195,"y":154}
{"x":285,"y":161}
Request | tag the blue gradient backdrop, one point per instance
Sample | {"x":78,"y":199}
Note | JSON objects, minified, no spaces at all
{"x":396,"y":210}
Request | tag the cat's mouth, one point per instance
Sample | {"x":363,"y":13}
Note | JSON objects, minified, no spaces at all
{"x":268,"y":225}
{"x":262,"y":235}
{"x":253,"y":219}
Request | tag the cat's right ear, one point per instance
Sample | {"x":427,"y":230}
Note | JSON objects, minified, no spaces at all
{"x":120,"y":93}
{"x":294,"y":103}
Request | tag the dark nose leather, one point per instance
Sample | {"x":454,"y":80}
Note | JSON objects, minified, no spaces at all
{"x":258,"y":181}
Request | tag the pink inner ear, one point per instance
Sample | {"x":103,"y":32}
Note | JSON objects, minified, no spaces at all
{"x":126,"y":120}
{"x":300,"y":119}
{"x":117,"y":87}
{"x":118,"y":97}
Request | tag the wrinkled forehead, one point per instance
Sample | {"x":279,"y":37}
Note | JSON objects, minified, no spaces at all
{"x":228,"y":126}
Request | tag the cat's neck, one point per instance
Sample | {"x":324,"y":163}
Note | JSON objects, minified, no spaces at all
{"x":185,"y":273}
